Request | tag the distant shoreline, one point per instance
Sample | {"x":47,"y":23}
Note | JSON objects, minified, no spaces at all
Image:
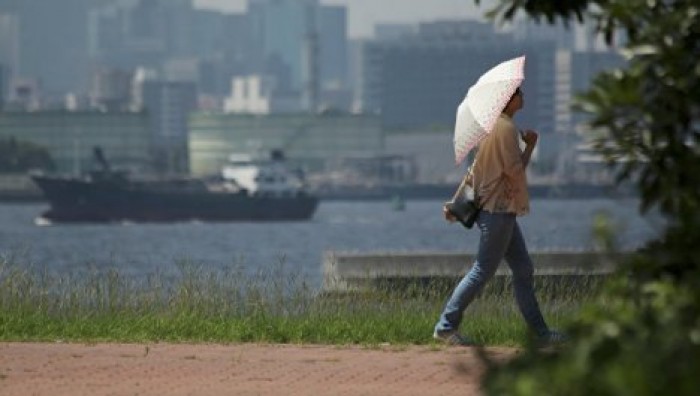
{"x":445,"y":191}
{"x":421,"y":192}
{"x":14,"y":189}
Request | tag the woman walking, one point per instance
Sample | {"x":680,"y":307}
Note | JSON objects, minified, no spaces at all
{"x":498,"y":179}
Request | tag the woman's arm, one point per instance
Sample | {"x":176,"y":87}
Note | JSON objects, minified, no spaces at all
{"x":466,"y":181}
{"x":509,"y":152}
{"x":514,"y":160}
{"x":530,"y":139}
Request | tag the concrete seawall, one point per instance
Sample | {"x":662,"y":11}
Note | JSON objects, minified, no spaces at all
{"x":354,"y":271}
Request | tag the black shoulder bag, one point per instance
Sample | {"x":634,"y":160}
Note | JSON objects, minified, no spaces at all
{"x":466,"y":209}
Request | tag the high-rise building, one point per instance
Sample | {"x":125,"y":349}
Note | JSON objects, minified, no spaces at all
{"x":209,"y":32}
{"x":132,"y":33}
{"x":418,"y":81}
{"x":563,"y":37}
{"x":169,"y":104}
{"x":281,"y":27}
{"x":52,"y":42}
{"x":110,"y":89}
{"x":9,"y":43}
{"x":575,"y":71}
{"x":105,"y":34}
{"x":393,"y":31}
{"x":8,"y":53}
{"x":303,"y":45}
{"x":334,"y":88}
{"x":179,"y":23}
{"x":4,"y":73}
{"x":223,"y":50}
{"x":333,"y":48}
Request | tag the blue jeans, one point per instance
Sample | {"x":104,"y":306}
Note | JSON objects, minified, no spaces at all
{"x":500,"y":238}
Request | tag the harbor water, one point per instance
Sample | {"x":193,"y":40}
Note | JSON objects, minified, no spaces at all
{"x":298,"y":247}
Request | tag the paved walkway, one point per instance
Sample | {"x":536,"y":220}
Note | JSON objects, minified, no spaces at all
{"x":242,"y":369}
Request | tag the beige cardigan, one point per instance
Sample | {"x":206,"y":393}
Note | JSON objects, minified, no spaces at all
{"x":498,"y":171}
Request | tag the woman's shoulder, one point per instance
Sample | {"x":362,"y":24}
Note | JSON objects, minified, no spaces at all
{"x":504,"y":128}
{"x":504,"y":122}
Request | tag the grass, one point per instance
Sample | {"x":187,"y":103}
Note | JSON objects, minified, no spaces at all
{"x":230,"y":307}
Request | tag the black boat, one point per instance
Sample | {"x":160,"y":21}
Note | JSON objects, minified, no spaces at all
{"x":111,"y":196}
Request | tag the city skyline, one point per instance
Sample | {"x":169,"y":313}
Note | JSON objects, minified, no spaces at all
{"x":275,"y":57}
{"x":363,"y":15}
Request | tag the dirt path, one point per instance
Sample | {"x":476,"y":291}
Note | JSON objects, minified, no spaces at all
{"x":247,"y":369}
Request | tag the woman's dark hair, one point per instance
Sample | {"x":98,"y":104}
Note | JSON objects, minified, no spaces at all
{"x":517,"y":92}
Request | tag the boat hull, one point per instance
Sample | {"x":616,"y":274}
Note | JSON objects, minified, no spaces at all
{"x":78,"y":200}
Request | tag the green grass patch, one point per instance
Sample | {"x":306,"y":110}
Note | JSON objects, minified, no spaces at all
{"x":274,"y":307}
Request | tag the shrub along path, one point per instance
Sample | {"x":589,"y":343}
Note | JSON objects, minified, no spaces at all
{"x":239,"y":369}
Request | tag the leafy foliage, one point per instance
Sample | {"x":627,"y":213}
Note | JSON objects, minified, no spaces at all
{"x":552,"y":11}
{"x":23,"y":156}
{"x":643,"y":336}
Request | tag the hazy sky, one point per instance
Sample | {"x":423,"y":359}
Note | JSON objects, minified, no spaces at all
{"x":363,"y":14}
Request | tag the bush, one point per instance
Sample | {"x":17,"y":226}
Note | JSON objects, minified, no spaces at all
{"x":23,"y":156}
{"x":643,"y":336}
